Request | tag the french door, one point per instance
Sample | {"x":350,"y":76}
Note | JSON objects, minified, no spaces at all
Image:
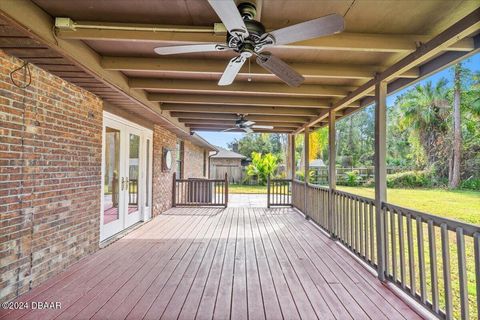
{"x":126,"y":193}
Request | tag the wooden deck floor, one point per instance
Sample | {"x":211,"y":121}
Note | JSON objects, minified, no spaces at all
{"x":241,"y":263}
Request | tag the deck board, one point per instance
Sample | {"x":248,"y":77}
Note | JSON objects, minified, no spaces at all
{"x":210,"y":263}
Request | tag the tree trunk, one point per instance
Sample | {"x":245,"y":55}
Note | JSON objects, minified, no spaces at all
{"x":457,"y":130}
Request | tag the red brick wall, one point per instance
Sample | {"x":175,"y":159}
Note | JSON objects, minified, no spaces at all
{"x":162,"y":180}
{"x":50,"y":170}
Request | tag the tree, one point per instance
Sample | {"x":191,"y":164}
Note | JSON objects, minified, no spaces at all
{"x":424,"y":112}
{"x":454,"y":168}
{"x":261,"y":143}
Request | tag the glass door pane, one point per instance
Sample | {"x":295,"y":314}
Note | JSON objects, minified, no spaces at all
{"x":111,"y":188}
{"x":133,"y":172}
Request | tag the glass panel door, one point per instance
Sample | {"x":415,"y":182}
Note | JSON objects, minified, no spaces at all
{"x":133,"y":172}
{"x":112,"y":197}
{"x":133,"y":176}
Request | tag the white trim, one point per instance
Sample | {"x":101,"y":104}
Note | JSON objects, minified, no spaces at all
{"x":126,"y":128}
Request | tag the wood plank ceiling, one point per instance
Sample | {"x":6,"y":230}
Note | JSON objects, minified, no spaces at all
{"x":378,"y":34}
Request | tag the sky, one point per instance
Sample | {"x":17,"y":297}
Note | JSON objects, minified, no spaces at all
{"x":473,"y":63}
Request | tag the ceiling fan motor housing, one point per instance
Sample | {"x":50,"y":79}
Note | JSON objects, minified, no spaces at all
{"x":255,"y":29}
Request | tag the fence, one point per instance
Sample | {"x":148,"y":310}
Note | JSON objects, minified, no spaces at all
{"x":279,"y":192}
{"x":433,"y":259}
{"x":320,"y":175}
{"x":200,"y":192}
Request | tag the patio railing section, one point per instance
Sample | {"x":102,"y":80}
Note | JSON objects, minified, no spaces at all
{"x":200,"y":192}
{"x":434,"y":259}
{"x":279,"y":192}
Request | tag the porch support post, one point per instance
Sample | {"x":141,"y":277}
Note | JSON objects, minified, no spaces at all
{"x":306,"y":150}
{"x":292,"y":156}
{"x":380,"y":171}
{"x":332,"y":175}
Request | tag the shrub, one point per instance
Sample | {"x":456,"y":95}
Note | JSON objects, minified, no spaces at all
{"x":352,"y":178}
{"x":410,"y":179}
{"x":471,"y":184}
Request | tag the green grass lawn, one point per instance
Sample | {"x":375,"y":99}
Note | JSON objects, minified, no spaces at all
{"x":238,"y":188}
{"x":462,"y":205}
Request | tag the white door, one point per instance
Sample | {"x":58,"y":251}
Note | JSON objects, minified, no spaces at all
{"x":126,"y":193}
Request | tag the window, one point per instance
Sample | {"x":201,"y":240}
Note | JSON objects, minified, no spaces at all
{"x":179,"y":155}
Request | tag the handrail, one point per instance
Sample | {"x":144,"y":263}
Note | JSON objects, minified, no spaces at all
{"x":279,"y":192}
{"x":200,"y":192}
{"x":420,"y":249}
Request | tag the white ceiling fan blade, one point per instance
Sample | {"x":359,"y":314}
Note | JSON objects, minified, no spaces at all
{"x":263,"y":127}
{"x":324,"y":26}
{"x":231,"y":71}
{"x":207,"y":47}
{"x":249,"y":123}
{"x":248,"y":130}
{"x":230,"y":129}
{"x":227,"y":11}
{"x":280,"y":69}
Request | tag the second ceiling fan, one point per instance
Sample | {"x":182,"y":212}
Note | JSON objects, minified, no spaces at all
{"x":248,"y":38}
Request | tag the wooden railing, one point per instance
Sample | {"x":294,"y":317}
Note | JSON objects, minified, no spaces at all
{"x":279,"y":192}
{"x":298,"y":195}
{"x":317,"y":204}
{"x":200,"y":192}
{"x":354,"y":224}
{"x":433,"y":259}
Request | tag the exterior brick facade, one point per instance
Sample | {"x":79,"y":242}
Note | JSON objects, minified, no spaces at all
{"x":162,"y":180}
{"x":194,"y":161}
{"x":50,"y":173}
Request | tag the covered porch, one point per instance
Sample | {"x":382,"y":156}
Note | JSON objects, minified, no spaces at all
{"x":217,"y":263}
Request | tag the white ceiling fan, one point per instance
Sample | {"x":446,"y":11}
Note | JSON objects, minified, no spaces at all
{"x":248,"y":38}
{"x":246,"y":125}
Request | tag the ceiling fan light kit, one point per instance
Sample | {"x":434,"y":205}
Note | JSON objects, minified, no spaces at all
{"x":248,"y":38}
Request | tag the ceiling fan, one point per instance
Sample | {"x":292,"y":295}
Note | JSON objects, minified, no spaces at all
{"x":248,"y":38}
{"x":246,"y":125}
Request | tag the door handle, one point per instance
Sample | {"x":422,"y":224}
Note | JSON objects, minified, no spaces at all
{"x":126,"y":184}
{"x":123,"y":183}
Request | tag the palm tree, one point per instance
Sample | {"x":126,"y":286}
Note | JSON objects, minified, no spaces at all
{"x":454,"y":167}
{"x":424,"y":111}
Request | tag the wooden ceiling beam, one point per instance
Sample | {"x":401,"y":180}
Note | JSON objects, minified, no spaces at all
{"x":30,"y":18}
{"x":238,"y":87}
{"x":459,"y":30}
{"x":199,"y":122}
{"x":107,"y":31}
{"x":176,"y":65}
{"x":207,"y":129}
{"x":231,"y":117}
{"x":239,"y":100}
{"x":257,"y":110}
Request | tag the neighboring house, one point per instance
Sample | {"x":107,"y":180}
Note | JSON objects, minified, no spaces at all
{"x":317,"y":164}
{"x":229,"y":162}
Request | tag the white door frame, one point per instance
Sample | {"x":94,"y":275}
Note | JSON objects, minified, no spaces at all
{"x":144,"y":213}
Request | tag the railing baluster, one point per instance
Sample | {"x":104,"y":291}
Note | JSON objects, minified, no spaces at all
{"x":462,"y":270}
{"x":446,"y":271}
{"x":421,"y":260}
{"x":433,"y":265}
{"x":411,"y":260}
{"x":394,"y":245}
{"x":360,"y":227}
{"x":387,"y":249}
{"x":402,"y":249}
{"x":372,"y":232}
{"x":365,"y":230}
{"x":476,"y":248}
